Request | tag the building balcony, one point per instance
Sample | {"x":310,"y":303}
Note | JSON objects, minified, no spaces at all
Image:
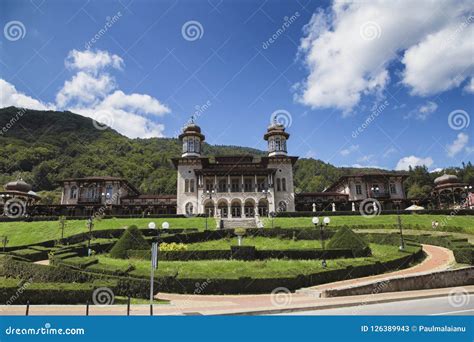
{"x":380,"y":194}
{"x":89,"y":200}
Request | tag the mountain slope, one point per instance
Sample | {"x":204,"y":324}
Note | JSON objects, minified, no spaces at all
{"x":44,"y":147}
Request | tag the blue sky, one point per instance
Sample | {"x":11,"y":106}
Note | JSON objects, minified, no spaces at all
{"x":321,"y":68}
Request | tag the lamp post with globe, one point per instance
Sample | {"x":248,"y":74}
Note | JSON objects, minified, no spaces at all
{"x":154,"y":265}
{"x":322,"y":223}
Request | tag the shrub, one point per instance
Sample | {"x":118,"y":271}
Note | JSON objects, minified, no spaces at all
{"x":172,"y":247}
{"x":345,"y":238}
{"x":132,"y":238}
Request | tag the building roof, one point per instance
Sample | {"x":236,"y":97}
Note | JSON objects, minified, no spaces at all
{"x":446,"y":179}
{"x":367,"y":176}
{"x":102,"y":179}
{"x":235,"y":162}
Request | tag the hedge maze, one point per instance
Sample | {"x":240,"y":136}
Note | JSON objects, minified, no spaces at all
{"x":119,"y":260}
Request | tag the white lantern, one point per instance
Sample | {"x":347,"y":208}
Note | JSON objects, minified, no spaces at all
{"x":165,"y":225}
{"x":151,"y":225}
{"x":326,"y":220}
{"x":315,"y":220}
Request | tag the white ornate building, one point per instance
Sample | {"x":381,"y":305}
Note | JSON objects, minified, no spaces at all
{"x":234,"y":187}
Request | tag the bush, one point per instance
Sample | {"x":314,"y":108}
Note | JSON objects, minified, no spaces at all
{"x":172,"y":247}
{"x":17,"y":291}
{"x":132,"y":238}
{"x":345,"y":238}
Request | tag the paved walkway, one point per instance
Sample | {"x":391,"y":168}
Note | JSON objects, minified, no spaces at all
{"x":438,"y":259}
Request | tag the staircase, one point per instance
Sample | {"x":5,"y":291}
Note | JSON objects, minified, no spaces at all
{"x":240,"y":223}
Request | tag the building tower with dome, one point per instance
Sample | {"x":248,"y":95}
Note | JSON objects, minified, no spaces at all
{"x":234,"y":189}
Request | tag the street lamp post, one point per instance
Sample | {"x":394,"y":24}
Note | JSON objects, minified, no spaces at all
{"x":322,"y":223}
{"x":272,"y":215}
{"x":154,"y":264}
{"x":90,"y":223}
{"x":468,"y":189}
{"x":399,"y":221}
{"x":209,"y":195}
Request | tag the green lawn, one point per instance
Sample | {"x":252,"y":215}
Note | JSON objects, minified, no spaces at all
{"x":260,"y":243}
{"x":424,"y":221}
{"x":21,"y":233}
{"x":229,"y":269}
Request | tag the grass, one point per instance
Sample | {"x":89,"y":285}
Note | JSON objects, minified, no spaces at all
{"x":22,"y":233}
{"x":424,"y":221}
{"x":231,"y":269}
{"x":260,"y":243}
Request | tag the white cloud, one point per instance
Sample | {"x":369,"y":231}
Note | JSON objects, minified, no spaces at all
{"x":135,"y":102}
{"x":349,"y":150}
{"x":9,"y":96}
{"x":85,"y":88}
{"x":442,"y":61}
{"x":347,"y":49}
{"x":92,"y":61}
{"x":406,"y":162}
{"x":424,"y":111}
{"x":470,"y":86}
{"x":389,"y":151}
{"x":93,"y":92}
{"x":458,"y":144}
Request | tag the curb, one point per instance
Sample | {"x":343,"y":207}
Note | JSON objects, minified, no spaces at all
{"x":333,"y":306}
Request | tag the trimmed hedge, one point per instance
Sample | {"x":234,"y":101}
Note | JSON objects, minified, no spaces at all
{"x":132,"y":238}
{"x":15,"y":291}
{"x":383,"y":212}
{"x":135,"y":287}
{"x":345,"y":238}
{"x":31,"y":254}
{"x":295,"y":254}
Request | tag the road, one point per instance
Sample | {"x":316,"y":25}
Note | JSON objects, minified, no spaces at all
{"x":427,"y":306}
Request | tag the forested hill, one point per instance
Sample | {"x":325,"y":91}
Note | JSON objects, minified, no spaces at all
{"x":44,"y":147}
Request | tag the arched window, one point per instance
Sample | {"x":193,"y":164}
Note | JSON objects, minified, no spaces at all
{"x":73,"y":193}
{"x":283,"y":144}
{"x":185,"y":145}
{"x":271,"y":143}
{"x":282,"y":206}
{"x":108,"y":191}
{"x":197,"y":145}
{"x":191,"y":145}
{"x":283,"y":184}
{"x":189,"y":208}
{"x":277,"y":144}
